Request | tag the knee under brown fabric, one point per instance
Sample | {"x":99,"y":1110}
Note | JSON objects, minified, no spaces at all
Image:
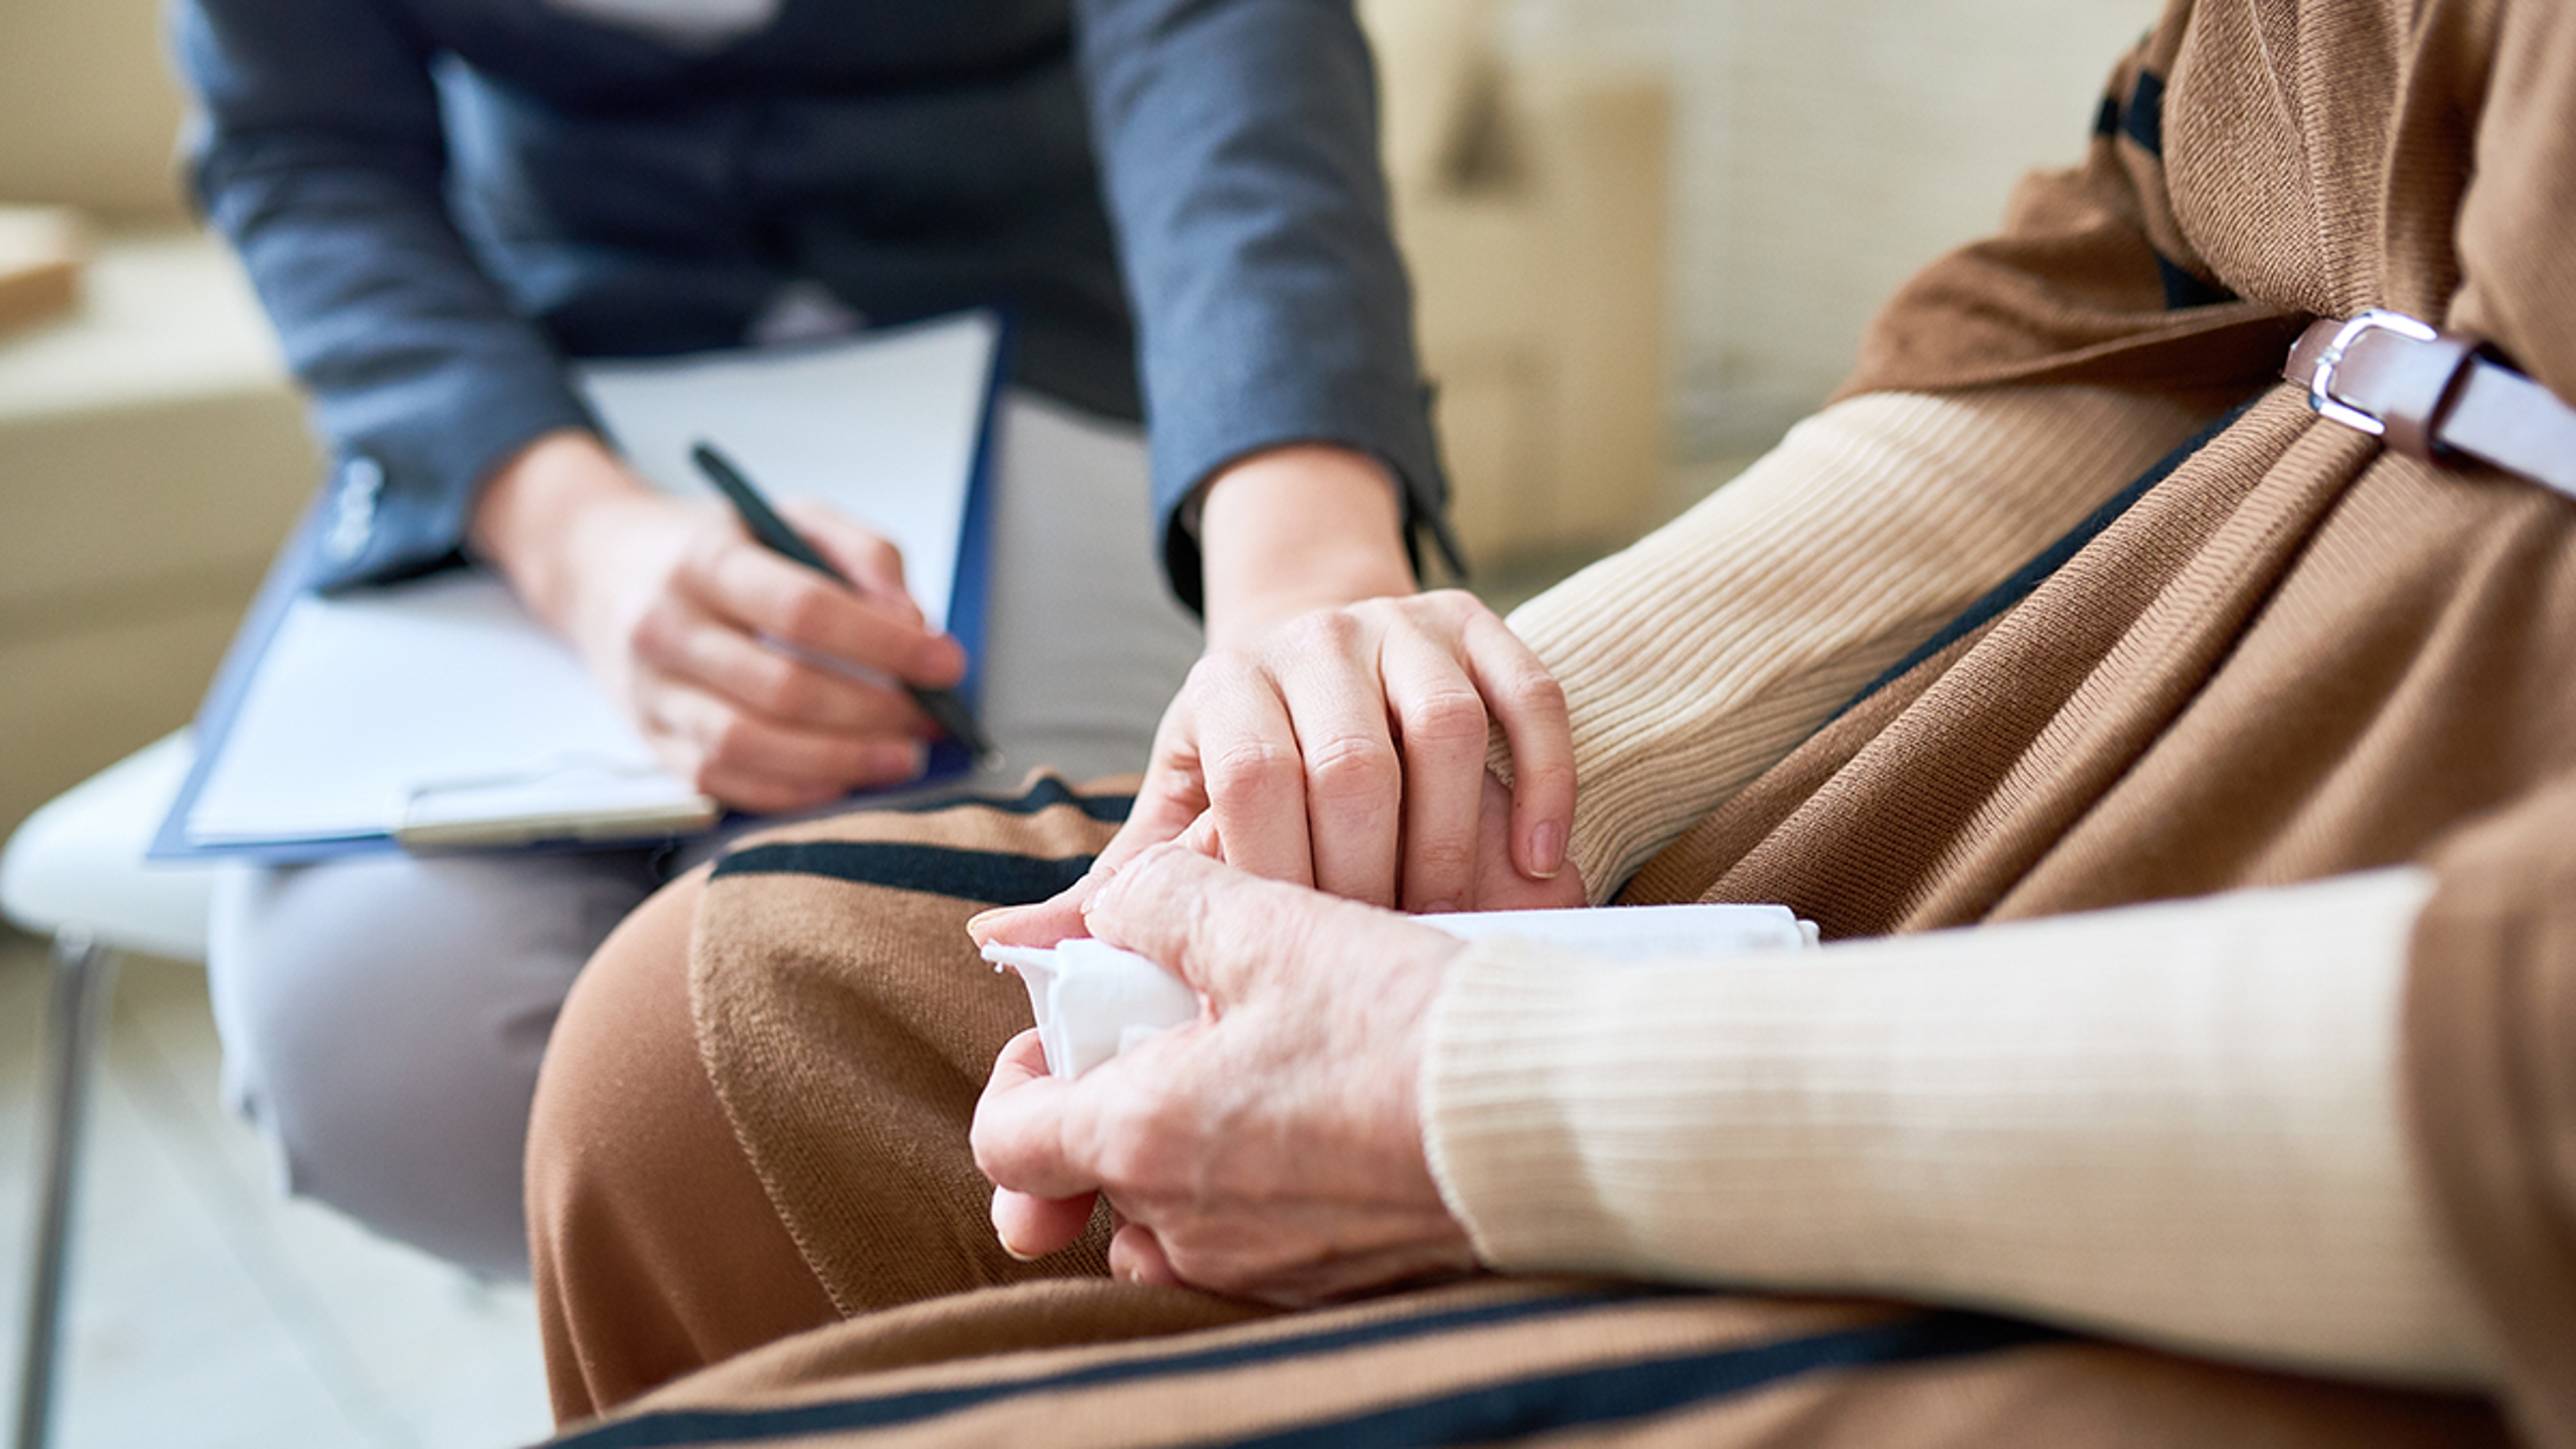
{"x":831,"y":966}
{"x":653,"y":1246}
{"x":753,"y":1116}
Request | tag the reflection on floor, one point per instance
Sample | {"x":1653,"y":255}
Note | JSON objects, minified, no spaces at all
{"x":205,"y":1312}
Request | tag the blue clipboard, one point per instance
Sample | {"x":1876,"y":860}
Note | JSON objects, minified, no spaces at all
{"x":289,"y":578}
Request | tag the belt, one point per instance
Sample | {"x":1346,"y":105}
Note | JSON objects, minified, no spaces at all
{"x":2434,"y":395}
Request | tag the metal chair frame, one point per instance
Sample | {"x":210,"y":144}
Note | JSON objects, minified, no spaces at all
{"x":83,"y":987}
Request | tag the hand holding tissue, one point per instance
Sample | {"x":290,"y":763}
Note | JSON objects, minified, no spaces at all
{"x":1093,"y":1000}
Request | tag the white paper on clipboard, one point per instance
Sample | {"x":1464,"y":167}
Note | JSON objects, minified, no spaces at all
{"x":439,"y":712}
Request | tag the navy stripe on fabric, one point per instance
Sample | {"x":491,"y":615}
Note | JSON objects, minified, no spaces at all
{"x":1589,"y":1397}
{"x":1537,"y":1402}
{"x":2049,"y":560}
{"x":967,"y":875}
{"x":2144,"y":118}
{"x":2183,"y":290}
{"x":733,"y":1426}
{"x":2106,"y":121}
{"x":1046,"y":794}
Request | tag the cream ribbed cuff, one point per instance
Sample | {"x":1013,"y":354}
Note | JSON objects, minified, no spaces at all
{"x":2177,"y":1123}
{"x":1696,"y":659}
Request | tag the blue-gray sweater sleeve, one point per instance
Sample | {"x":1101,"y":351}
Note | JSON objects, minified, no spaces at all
{"x":318,"y":152}
{"x":1238,"y":142}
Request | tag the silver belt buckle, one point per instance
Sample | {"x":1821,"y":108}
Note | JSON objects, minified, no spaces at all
{"x":2321,"y":383}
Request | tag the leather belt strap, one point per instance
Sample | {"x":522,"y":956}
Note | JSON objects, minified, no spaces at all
{"x":2432,"y":394}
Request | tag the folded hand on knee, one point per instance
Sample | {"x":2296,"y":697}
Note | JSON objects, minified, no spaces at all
{"x":1273,"y":1148}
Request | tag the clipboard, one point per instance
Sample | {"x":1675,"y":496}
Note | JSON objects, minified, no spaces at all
{"x":437,"y":715}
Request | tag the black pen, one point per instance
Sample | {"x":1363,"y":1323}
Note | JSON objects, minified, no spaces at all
{"x":945,"y":708}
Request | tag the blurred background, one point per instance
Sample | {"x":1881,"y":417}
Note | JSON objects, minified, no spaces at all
{"x":1645,"y":236}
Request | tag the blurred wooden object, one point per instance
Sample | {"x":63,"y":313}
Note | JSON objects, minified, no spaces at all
{"x":152,"y":451}
{"x":1531,"y":197}
{"x":40,"y":263}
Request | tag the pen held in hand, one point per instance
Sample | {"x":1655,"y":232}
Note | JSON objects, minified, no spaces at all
{"x":944,"y":706}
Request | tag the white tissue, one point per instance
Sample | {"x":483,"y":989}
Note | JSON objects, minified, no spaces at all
{"x":1094,"y":1000}
{"x":1641,"y":933}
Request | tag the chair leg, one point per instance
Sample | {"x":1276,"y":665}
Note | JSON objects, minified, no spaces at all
{"x":84,"y":981}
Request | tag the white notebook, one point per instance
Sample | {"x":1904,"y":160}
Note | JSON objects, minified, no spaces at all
{"x":438,"y":714}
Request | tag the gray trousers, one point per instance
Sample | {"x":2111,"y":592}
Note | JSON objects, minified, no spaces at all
{"x":383,"y":1016}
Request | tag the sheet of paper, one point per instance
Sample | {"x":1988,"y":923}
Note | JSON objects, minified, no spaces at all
{"x":884,"y":430}
{"x":363,"y":702}
{"x":366,"y":698}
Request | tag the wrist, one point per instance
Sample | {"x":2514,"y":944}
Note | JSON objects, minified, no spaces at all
{"x":532,"y":515}
{"x":1301,"y":527}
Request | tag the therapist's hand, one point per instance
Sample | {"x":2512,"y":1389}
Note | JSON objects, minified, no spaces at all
{"x":680,"y":615}
{"x":1334,"y":733}
{"x":1497,"y":884}
{"x":1272,"y":1149}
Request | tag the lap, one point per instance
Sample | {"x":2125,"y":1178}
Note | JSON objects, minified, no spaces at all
{"x":845,"y":1024}
{"x":1074,"y":1363}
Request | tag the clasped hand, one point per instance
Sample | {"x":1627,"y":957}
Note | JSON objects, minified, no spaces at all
{"x":1273,"y":1148}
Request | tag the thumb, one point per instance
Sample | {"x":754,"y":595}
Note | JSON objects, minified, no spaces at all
{"x":1042,"y":923}
{"x":1214,"y":926}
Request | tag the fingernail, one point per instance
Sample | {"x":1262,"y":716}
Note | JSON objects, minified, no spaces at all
{"x":1016,"y":1255}
{"x":902,"y":762}
{"x":1547,"y":849}
{"x":1441,"y":908}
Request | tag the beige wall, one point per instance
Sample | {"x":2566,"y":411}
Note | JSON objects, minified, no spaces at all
{"x":151,"y":457}
{"x":1824,"y":149}
{"x":88,"y":113}
{"x":151,"y":453}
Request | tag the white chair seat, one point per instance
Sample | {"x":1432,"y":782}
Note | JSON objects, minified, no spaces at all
{"x":77,"y":863}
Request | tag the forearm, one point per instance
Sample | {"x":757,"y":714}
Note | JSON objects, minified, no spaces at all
{"x":1238,"y":148}
{"x":529,"y":520}
{"x":1697,"y":658}
{"x":2177,"y":1123}
{"x":1298,"y":528}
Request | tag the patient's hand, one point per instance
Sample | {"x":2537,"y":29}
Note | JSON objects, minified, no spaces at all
{"x":678,"y":613}
{"x":1272,"y":1149}
{"x":1334,"y":734}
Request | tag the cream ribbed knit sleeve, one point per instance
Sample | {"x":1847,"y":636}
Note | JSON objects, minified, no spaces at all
{"x":2176,"y":1122}
{"x":1699,"y":657}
